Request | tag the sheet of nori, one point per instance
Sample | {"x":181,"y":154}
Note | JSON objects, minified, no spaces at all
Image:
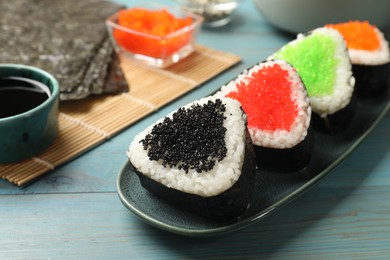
{"x":67,"y":38}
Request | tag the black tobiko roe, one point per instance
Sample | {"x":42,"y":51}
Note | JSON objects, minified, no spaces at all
{"x":193,"y":138}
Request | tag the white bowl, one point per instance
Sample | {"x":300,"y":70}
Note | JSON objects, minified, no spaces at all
{"x":297,"y":16}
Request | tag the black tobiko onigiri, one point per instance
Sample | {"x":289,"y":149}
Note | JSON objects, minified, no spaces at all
{"x":199,"y":158}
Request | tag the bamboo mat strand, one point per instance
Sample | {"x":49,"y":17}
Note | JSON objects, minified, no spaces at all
{"x":86,"y":123}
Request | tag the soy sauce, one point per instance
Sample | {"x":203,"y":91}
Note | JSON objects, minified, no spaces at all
{"x":18,"y":95}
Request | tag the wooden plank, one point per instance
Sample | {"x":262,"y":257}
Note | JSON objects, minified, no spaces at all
{"x":325,"y":223}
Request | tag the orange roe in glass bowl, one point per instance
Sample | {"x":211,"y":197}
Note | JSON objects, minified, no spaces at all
{"x":155,"y":33}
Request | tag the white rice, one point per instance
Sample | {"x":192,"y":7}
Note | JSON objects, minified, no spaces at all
{"x":377,"y":57}
{"x":344,"y":81}
{"x":220,"y":178}
{"x":280,"y":138}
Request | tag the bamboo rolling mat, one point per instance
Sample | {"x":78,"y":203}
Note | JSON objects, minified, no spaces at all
{"x":86,"y":123}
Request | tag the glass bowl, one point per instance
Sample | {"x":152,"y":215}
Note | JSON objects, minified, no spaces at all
{"x":149,"y":48}
{"x":215,"y":13}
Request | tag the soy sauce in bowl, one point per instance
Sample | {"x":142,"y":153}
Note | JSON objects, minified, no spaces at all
{"x":19,"y":95}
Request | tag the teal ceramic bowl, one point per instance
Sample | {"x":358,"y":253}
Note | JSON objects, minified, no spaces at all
{"x":25,"y":134}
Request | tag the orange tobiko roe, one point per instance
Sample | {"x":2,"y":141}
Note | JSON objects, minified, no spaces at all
{"x":266,"y":99}
{"x":358,"y":35}
{"x":150,"y":28}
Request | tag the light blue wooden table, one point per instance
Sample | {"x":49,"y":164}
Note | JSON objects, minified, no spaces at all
{"x":75,"y":213}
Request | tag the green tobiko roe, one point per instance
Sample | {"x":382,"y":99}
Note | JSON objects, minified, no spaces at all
{"x":314,"y":59}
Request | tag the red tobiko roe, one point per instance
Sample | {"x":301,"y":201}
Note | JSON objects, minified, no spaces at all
{"x":150,"y":28}
{"x":266,"y":99}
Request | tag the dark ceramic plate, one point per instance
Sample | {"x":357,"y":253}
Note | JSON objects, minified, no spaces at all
{"x":275,"y":189}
